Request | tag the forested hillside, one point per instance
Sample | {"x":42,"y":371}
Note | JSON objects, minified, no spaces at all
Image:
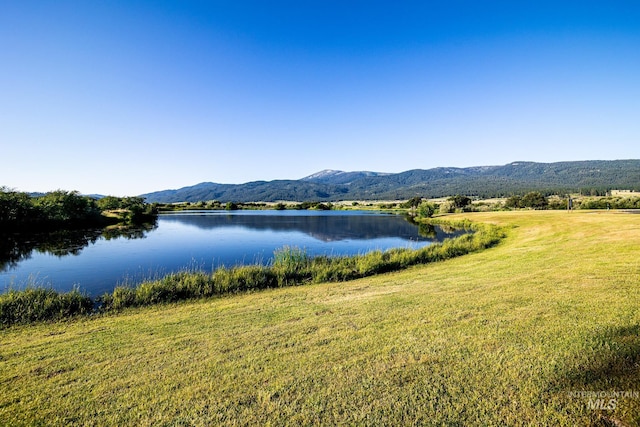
{"x":595,"y":177}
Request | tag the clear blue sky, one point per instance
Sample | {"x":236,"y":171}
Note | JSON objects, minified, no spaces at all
{"x":125,"y":97}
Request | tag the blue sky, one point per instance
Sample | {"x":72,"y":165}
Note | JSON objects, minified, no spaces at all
{"x":125,"y":97}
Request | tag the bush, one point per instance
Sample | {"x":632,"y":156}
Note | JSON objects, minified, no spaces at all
{"x":513,"y":202}
{"x":557,"y":203}
{"x":610,"y":203}
{"x":412,"y":203}
{"x":460,"y":202}
{"x":426,"y":209}
{"x":534,"y":200}
{"x":447,"y":207}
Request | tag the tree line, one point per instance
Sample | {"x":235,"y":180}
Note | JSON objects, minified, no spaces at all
{"x":531,"y":200}
{"x":233,"y":206}
{"x":18,"y":209}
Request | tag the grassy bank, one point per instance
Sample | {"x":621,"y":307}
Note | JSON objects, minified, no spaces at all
{"x":513,"y":335}
{"x":290,"y":267}
{"x":293,"y":267}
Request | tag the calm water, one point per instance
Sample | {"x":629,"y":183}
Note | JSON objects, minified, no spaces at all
{"x":96,"y":260}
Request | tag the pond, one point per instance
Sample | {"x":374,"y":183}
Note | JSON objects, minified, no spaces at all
{"x":97,"y":260}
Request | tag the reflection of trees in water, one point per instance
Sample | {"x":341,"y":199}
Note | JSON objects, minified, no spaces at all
{"x":427,"y":230}
{"x":64,"y":242}
{"x":17,"y":247}
{"x":128,"y":232}
{"x":327,"y":228}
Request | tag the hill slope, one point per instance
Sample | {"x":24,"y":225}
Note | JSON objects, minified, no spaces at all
{"x":483,"y":181}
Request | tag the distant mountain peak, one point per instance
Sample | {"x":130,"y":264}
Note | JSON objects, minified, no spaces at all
{"x":323,"y":174}
{"x":483,"y":181}
{"x":337,"y":177}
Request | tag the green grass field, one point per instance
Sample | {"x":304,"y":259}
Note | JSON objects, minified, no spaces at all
{"x":514,"y":335}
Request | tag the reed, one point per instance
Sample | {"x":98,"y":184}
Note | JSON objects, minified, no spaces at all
{"x":40,"y":303}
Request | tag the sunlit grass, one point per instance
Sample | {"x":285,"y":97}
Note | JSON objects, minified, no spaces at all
{"x":505,"y":336}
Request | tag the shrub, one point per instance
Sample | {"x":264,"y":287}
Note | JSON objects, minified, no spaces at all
{"x":513,"y":202}
{"x":535,"y":200}
{"x":412,"y":203}
{"x":447,"y":207}
{"x":426,"y":209}
{"x":460,"y":202}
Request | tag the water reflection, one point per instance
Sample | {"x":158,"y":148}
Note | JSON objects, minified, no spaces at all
{"x":325,"y":227}
{"x":18,"y":247}
{"x":97,"y":260}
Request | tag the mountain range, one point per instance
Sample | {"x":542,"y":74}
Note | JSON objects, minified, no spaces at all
{"x":482,"y":181}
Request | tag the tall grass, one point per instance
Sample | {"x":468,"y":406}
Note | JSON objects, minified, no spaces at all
{"x":289,"y":267}
{"x":38,"y":303}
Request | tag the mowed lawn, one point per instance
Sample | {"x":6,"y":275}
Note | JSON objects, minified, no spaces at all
{"x":515,"y":335}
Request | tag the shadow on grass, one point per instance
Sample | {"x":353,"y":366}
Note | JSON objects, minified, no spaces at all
{"x":604,"y":380}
